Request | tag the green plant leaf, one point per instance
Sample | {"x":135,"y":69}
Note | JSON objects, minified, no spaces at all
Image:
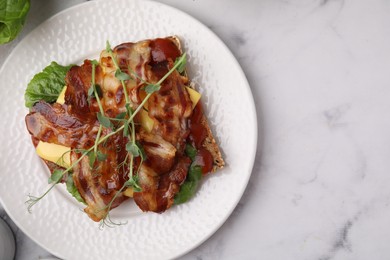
{"x":101,"y":156}
{"x":99,"y":90}
{"x":108,"y":46}
{"x":92,"y":88}
{"x":133,"y":182}
{"x":141,"y":151}
{"x":121,"y":75}
{"x":191,"y":151}
{"x":46,"y":85}
{"x":56,"y":176}
{"x":151,"y":88}
{"x":121,"y":115}
{"x":195,"y":173}
{"x":72,"y":189}
{"x":12,"y":17}
{"x":189,"y":187}
{"x":182,"y":64}
{"x":81,"y":151}
{"x":92,"y":158}
{"x":91,"y":91}
{"x":103,"y":120}
{"x":126,"y":129}
{"x":133,"y":149}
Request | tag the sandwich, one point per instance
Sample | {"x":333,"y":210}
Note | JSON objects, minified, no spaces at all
{"x":130,"y":125}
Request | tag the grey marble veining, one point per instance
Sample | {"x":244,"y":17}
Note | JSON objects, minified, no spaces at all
{"x":319,"y":74}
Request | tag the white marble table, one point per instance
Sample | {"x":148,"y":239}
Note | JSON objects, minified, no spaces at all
{"x":320,"y":76}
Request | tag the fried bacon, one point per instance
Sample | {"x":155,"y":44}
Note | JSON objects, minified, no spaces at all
{"x":53,"y":124}
{"x":170,"y":108}
{"x":98,"y":185}
{"x":158,"y":192}
{"x":75,"y":125}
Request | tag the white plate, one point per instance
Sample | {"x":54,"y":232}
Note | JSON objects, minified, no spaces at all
{"x":57,"y":222}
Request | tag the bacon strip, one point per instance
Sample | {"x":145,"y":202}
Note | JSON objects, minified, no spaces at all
{"x":158,"y":192}
{"x":98,"y":185}
{"x":53,"y":124}
{"x":170,"y":109}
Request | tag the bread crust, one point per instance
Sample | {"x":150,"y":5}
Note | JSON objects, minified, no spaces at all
{"x":210,"y":144}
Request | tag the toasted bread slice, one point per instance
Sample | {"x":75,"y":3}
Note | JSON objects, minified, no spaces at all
{"x":209,"y":142}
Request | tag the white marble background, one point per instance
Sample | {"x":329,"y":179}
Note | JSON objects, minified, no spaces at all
{"x":320,"y":76}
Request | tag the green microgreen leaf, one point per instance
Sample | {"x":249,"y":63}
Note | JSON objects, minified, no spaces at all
{"x":103,"y":120}
{"x":92,"y":158}
{"x":56,"y":176}
{"x":121,"y":75}
{"x":95,"y":62}
{"x":151,"y":88}
{"x":108,"y":46}
{"x":121,"y":115}
{"x":126,"y":129}
{"x":133,"y":182}
{"x":141,"y":151}
{"x":91,"y":91}
{"x":92,"y":88}
{"x":191,"y":151}
{"x":101,"y":156}
{"x":99,"y":90}
{"x":181,"y":64}
{"x":137,"y":188}
{"x":133,"y":149}
{"x":82,"y":151}
{"x":129,"y":109}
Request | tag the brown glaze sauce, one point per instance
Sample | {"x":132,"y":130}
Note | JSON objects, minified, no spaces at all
{"x":197,"y":136}
{"x":163,"y":49}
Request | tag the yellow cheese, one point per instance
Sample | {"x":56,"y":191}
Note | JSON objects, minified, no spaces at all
{"x":54,"y":153}
{"x":194,"y":96}
{"x":61,"y":97}
{"x":146,"y":122}
{"x":129,"y":192}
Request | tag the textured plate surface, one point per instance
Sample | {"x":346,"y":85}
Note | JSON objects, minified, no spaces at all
{"x":57,"y":222}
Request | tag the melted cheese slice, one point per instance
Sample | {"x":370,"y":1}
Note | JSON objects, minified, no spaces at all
{"x":61,"y":97}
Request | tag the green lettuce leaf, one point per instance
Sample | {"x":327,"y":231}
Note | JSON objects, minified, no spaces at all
{"x":12,"y":17}
{"x":72,"y":189}
{"x":46,"y":85}
{"x":189,"y":187}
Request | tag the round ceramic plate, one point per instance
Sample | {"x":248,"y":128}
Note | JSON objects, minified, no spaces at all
{"x":57,"y":222}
